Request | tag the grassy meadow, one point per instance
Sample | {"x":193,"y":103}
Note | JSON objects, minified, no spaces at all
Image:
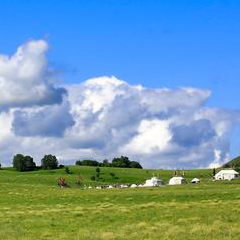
{"x":34,"y":207}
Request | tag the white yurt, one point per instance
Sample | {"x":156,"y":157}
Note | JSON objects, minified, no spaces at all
{"x":195,"y":180}
{"x":226,"y":174}
{"x":110,"y":186}
{"x":133,"y":186}
{"x":177,"y":181}
{"x":153,"y":182}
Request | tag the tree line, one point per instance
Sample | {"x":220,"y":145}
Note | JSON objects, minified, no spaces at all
{"x":25,"y":163}
{"x":48,"y":162}
{"x":119,"y":162}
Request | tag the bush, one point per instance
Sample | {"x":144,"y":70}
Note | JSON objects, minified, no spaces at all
{"x":49,"y":162}
{"x":112,"y":174}
{"x":93,"y":178}
{"x":67,"y":171}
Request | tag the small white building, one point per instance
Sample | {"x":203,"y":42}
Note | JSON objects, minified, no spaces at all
{"x":195,"y":180}
{"x":177,"y":181}
{"x":226,"y":174}
{"x":153,"y":182}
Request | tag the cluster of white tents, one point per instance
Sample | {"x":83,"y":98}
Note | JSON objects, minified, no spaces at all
{"x":227,"y":174}
{"x":153,"y":182}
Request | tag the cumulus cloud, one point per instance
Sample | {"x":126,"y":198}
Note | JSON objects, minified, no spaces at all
{"x":25,"y":79}
{"x":106,"y":117}
{"x":45,"y":121}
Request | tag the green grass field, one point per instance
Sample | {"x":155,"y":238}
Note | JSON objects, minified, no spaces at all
{"x":34,"y":207}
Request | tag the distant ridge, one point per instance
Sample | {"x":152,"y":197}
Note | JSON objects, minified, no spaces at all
{"x":233,"y":163}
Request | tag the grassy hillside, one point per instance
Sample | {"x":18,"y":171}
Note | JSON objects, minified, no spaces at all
{"x":33,"y":206}
{"x":121,"y":175}
{"x":233,"y":163}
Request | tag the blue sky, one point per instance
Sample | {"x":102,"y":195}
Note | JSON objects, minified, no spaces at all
{"x":156,"y":43}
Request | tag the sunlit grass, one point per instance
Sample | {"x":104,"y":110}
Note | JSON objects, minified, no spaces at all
{"x":34,"y":207}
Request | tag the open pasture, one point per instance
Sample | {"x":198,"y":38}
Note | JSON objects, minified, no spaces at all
{"x":34,"y":207}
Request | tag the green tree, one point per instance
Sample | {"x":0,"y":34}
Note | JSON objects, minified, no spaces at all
{"x":134,"y":164}
{"x":49,"y":162}
{"x":106,"y":163}
{"x":30,"y":164}
{"x":214,"y":172}
{"x":124,"y":162}
{"x":98,"y":172}
{"x":23,"y":163}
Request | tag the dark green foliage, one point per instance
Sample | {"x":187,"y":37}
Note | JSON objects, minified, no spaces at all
{"x":112,"y":174}
{"x":92,"y":163}
{"x":98,"y":172}
{"x":214,"y":172}
{"x":49,"y":162}
{"x":93,"y":178}
{"x":23,"y":163}
{"x":106,"y":163}
{"x":124,"y":162}
{"x":67,"y":171}
{"x":61,"y":166}
{"x":134,"y":164}
{"x":121,"y":162}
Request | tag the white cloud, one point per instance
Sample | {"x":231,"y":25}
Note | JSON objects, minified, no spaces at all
{"x":25,"y":79}
{"x":106,"y":117}
{"x":153,"y":137}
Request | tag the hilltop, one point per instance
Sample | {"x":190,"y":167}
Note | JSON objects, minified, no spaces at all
{"x":234,"y":163}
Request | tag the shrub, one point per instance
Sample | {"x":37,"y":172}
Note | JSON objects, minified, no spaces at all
{"x":112,"y":174}
{"x":67,"y":171}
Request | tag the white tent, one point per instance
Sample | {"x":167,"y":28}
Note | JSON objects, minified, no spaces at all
{"x":227,"y":174}
{"x":110,"y":186}
{"x":133,"y":186}
{"x":153,"y":182}
{"x":177,"y":181}
{"x":195,"y":180}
